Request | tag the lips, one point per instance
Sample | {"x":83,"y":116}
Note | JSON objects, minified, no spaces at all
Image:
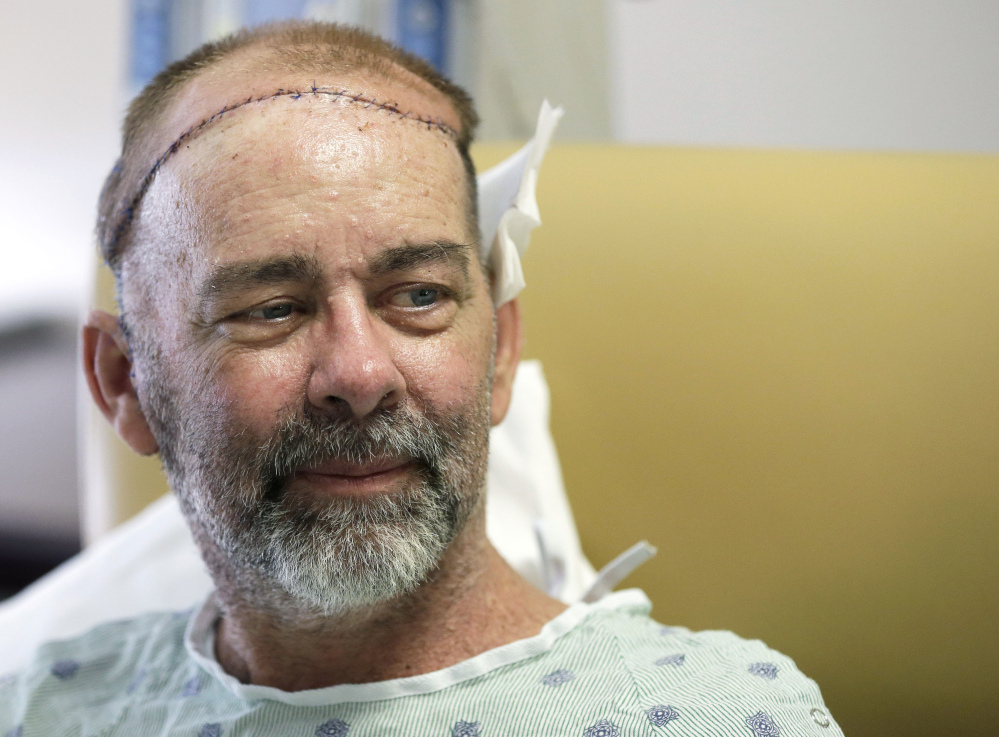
{"x":342,"y":478}
{"x":356,"y":470}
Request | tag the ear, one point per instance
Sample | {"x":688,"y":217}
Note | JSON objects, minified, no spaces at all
{"x":509,"y":341}
{"x":107,"y":366}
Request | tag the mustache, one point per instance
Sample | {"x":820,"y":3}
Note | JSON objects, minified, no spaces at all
{"x":311,"y":437}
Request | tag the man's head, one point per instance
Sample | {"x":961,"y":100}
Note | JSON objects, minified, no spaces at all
{"x":313,"y":348}
{"x":305,"y":48}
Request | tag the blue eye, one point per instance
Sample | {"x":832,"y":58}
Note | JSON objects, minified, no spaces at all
{"x":423,"y":297}
{"x":274,"y":312}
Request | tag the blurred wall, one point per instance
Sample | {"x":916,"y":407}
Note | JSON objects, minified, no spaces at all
{"x":852,"y":74}
{"x":531,"y":50}
{"x":60,"y":65}
{"x":60,"y":88}
{"x":38,"y":503}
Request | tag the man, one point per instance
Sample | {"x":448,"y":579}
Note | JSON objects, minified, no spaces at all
{"x":308,"y":339}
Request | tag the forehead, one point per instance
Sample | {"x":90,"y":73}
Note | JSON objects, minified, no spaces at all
{"x":291,"y":146}
{"x":283,"y":158}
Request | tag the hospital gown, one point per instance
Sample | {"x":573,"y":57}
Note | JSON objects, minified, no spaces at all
{"x":597,"y":670}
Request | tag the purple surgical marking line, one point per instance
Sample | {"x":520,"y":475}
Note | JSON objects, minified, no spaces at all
{"x":129,"y":211}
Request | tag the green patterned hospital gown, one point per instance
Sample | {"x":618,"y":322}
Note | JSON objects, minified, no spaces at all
{"x":597,"y":670}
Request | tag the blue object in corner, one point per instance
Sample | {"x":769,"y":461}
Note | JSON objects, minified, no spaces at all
{"x":422,"y":27}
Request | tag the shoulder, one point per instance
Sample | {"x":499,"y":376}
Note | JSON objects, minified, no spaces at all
{"x":95,"y":670}
{"x":713,"y":680}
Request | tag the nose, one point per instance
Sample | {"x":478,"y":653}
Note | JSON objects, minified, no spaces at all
{"x":354,"y":365}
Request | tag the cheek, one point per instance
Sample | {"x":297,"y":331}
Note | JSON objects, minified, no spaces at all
{"x":447,"y":373}
{"x":260,"y":385}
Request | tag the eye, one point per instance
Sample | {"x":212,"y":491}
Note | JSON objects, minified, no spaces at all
{"x":419,"y":297}
{"x":272,"y":312}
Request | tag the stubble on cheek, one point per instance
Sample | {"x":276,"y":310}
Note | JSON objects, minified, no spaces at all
{"x":223,"y":468}
{"x":229,"y":462}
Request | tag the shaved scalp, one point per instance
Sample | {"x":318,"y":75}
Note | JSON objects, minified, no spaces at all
{"x":296,"y":46}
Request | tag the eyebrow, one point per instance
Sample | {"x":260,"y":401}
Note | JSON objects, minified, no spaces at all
{"x":229,"y":279}
{"x":410,"y":256}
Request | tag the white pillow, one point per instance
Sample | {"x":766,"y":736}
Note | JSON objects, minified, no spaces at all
{"x":150,"y":563}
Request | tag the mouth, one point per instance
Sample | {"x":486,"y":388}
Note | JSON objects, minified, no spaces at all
{"x":356,"y":479}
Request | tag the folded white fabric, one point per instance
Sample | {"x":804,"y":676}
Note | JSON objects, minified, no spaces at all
{"x":508,"y":207}
{"x":150,"y":563}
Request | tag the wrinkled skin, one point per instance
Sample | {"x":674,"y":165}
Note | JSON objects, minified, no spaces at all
{"x":374,"y":305}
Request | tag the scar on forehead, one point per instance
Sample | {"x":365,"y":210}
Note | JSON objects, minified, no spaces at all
{"x":314,"y":91}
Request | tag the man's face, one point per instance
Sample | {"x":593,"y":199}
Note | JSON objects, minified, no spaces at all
{"x":313,"y":344}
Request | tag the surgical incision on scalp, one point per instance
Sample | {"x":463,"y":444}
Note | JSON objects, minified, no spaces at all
{"x":341,"y":96}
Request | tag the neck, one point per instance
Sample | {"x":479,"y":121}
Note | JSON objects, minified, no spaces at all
{"x":474,"y":602}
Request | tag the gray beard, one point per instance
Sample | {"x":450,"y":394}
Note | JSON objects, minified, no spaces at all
{"x":321,"y":556}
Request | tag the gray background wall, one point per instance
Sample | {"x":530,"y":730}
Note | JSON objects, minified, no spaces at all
{"x":852,"y":74}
